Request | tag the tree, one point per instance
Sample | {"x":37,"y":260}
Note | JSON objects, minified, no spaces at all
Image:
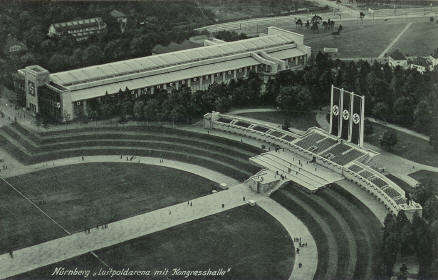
{"x":422,"y":116}
{"x":59,"y":62}
{"x":368,"y":127}
{"x":152,"y":109}
{"x":380,"y":111}
{"x":138,"y":109}
{"x":433,"y":138}
{"x":388,"y":139}
{"x":222,"y":104}
{"x":403,"y":111}
{"x":92,"y":55}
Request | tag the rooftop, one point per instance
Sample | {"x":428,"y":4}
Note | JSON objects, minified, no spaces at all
{"x":138,"y":65}
{"x":117,"y":13}
{"x":73,"y":25}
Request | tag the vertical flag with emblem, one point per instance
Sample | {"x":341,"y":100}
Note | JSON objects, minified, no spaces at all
{"x":345,"y":114}
{"x":335,"y":111}
{"x":357,"y":116}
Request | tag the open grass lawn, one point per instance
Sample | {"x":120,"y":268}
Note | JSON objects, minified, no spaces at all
{"x":407,"y":146}
{"x":356,"y":40}
{"x":301,"y":121}
{"x":402,"y":184}
{"x":427,"y":178}
{"x":246,"y":239}
{"x":86,"y":195}
{"x":419,"y":39}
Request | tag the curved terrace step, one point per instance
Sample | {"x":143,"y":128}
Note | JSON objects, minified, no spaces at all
{"x":328,"y":272}
{"x":361,"y":233}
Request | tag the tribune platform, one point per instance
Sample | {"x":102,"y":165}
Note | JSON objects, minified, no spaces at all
{"x":292,"y":167}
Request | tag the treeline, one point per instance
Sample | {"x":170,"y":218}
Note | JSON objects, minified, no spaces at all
{"x":403,"y":97}
{"x":179,"y":105}
{"x":229,"y":36}
{"x":149,"y":23}
{"x":419,"y":238}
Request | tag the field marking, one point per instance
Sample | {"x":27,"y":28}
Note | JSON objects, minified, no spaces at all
{"x":47,"y":215}
{"x":99,"y":259}
{"x":80,"y":243}
{"x":395,"y":40}
{"x":36,"y":206}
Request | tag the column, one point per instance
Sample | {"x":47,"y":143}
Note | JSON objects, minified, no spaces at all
{"x":223,"y":76}
{"x":235,"y":74}
{"x":85,"y":107}
{"x":201,"y":78}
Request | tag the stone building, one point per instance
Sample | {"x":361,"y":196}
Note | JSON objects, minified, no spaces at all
{"x":65,"y":95}
{"x":79,"y":29}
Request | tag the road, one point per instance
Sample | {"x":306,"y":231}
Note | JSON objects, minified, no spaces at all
{"x":257,"y":25}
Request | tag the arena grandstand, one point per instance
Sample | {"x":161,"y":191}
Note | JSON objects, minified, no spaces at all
{"x":318,"y":151}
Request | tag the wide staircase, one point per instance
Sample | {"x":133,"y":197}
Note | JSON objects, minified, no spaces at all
{"x":346,"y":232}
{"x":225,"y":156}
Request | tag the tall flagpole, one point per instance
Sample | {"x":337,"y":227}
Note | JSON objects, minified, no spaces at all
{"x":331,"y":110}
{"x":350,"y":123}
{"x":362,"y":121}
{"x":341,"y":109}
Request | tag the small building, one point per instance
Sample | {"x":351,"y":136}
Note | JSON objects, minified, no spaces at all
{"x":13,"y":46}
{"x":121,"y":18}
{"x":422,"y":63}
{"x":418,"y":63}
{"x":397,"y":61}
{"x":79,"y":29}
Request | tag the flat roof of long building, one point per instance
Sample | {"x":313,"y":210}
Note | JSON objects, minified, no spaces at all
{"x":148,"y":63}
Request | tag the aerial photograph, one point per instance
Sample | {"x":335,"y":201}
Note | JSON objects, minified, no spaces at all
{"x":219,"y":139}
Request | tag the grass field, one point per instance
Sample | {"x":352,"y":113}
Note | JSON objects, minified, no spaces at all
{"x":419,"y":39}
{"x":301,"y":121}
{"x":427,"y":178}
{"x":85,"y":195}
{"x":355,"y":39}
{"x":246,"y":239}
{"x":407,"y":146}
{"x":402,"y":184}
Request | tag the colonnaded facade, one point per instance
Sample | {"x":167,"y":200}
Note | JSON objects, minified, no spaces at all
{"x":65,"y":95}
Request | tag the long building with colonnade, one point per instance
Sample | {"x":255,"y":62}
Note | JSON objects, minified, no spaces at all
{"x":65,"y":95}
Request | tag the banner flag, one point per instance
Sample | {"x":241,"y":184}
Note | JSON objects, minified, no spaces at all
{"x":356,"y":119}
{"x":335,"y":111}
{"x":345,"y":114}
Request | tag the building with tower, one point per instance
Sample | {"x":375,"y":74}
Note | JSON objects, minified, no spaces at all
{"x":66,"y":95}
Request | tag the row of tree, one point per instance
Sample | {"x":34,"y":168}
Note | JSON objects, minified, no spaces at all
{"x":419,"y":238}
{"x":149,"y":23}
{"x":178,"y":105}
{"x":404,"y":97}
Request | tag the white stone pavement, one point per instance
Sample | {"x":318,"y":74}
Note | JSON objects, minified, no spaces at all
{"x":195,"y":169}
{"x":80,"y":243}
{"x":70,"y":246}
{"x":308,"y":256}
